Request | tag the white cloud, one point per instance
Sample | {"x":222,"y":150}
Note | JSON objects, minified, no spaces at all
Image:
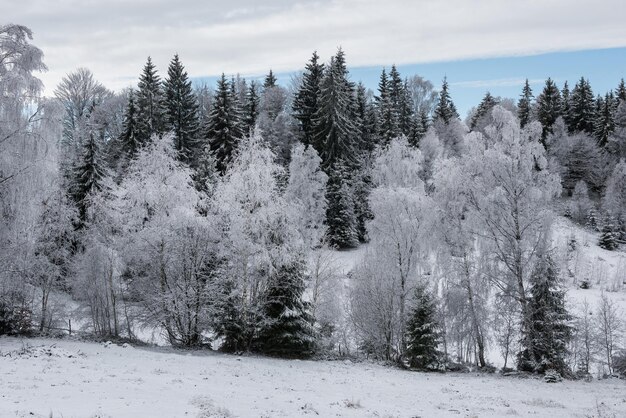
{"x":113,"y":38}
{"x":498,"y":82}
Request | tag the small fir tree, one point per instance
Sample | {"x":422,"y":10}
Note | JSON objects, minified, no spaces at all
{"x":423,"y":333}
{"x":547,"y":330}
{"x":608,"y":238}
{"x":287,"y":326}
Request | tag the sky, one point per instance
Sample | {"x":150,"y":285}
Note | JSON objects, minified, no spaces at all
{"x":479,"y":45}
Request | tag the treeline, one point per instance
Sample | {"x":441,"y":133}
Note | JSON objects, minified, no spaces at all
{"x":210,"y":214}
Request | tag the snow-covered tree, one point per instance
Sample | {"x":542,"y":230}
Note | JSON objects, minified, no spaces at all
{"x":261,"y":243}
{"x":306,"y":191}
{"x":510,"y":198}
{"x":400,"y":224}
{"x":168,"y":246}
{"x":610,"y":327}
{"x":580,"y":204}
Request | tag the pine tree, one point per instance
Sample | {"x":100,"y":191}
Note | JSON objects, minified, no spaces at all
{"x":604,"y":124}
{"x":224,"y":128}
{"x":270,"y":80}
{"x":524,"y":105}
{"x":150,"y":106}
{"x":445,"y":109}
{"x":592,"y":220}
{"x":485,"y":106}
{"x":608,"y":239}
{"x":334,"y":130}
{"x":89,"y":174}
{"x":387,"y":112}
{"x":620,"y":93}
{"x":566,"y":105}
{"x":129,"y":142}
{"x":420,"y":127}
{"x":547,"y":332}
{"x":548,"y":108}
{"x":287,"y":328}
{"x":423,"y":333}
{"x":367,"y":120}
{"x":181,"y":112}
{"x":400,"y":101}
{"x":305,"y":103}
{"x":582,"y":109}
{"x":228,"y":323}
{"x":340,"y":211}
{"x":251,"y":107}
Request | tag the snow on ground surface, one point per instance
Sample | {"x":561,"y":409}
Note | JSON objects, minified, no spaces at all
{"x":65,"y":378}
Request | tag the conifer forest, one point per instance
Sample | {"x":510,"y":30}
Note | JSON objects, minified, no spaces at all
{"x":280,"y":245}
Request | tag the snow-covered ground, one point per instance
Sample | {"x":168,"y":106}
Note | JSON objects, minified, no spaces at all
{"x":64,"y":378}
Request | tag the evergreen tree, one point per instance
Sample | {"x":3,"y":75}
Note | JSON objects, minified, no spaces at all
{"x":150,"y":106}
{"x":445,"y":109}
{"x":270,"y":80}
{"x":420,"y":127}
{"x":182,"y":112}
{"x":89,"y":174}
{"x":287,"y":329}
{"x":400,"y":101}
{"x":547,"y":331}
{"x":228,"y":322}
{"x":608,"y":239}
{"x":305,"y":103}
{"x":388,"y":127}
{"x":334,"y":131}
{"x":340,"y":211}
{"x":129,"y":142}
{"x":483,"y":109}
{"x":548,"y":108}
{"x":524,"y":105}
{"x":367,"y":119}
{"x":423,"y":333}
{"x":620,"y":93}
{"x":224,"y":129}
{"x":251,"y":107}
{"x":582,"y":110}
{"x":407,"y":116}
{"x":604,"y":123}
{"x":566,"y":105}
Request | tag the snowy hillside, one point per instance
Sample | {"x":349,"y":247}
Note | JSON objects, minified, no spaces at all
{"x":604,"y":270}
{"x":61,"y":378}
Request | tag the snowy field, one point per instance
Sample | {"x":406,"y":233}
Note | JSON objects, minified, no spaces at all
{"x":63,"y":378}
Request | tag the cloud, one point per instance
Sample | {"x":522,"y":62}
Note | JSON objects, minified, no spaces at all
{"x":113,"y":38}
{"x":498,"y":82}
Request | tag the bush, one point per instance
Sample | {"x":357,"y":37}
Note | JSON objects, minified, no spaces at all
{"x":14,"y":320}
{"x":619,"y":364}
